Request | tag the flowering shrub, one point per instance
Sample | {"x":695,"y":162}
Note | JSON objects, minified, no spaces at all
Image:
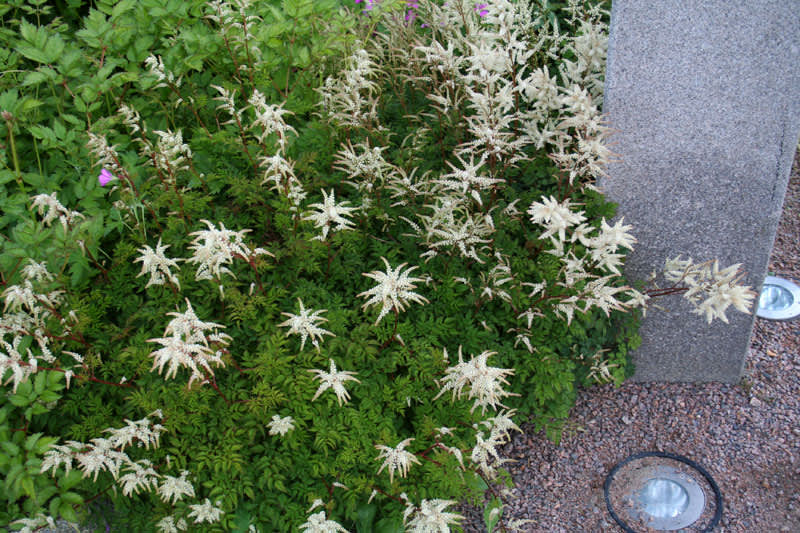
{"x":420,"y":185}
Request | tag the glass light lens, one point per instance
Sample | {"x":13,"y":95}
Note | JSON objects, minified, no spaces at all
{"x":774,"y":298}
{"x":663,"y":498}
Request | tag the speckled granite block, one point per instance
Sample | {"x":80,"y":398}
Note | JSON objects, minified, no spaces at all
{"x":706,"y":98}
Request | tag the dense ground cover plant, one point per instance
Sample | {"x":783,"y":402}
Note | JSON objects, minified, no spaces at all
{"x":298,"y":266}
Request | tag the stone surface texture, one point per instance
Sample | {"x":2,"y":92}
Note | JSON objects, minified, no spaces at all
{"x":705,"y":98}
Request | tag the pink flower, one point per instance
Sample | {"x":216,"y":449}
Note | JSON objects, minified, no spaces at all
{"x":104,"y":177}
{"x":367,"y":4}
{"x":481,"y":10}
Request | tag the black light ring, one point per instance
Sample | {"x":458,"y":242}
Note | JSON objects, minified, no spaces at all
{"x":717,"y":494}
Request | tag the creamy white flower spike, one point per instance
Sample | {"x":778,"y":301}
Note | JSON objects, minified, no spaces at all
{"x":173,"y":489}
{"x":158,"y":265}
{"x":280,"y":425}
{"x":156,"y":67}
{"x":334,"y":380}
{"x":205,"y":512}
{"x":306,"y":324}
{"x":214,"y":248}
{"x":54,"y":210}
{"x":396,"y":459}
{"x":168,"y":524}
{"x":186,"y":344}
{"x":485,"y":382}
{"x":430,"y":517}
{"x":330,"y":216}
{"x":171,"y":153}
{"x":319,"y":523}
{"x":555,"y":216}
{"x":394,"y":290}
{"x":718,"y":289}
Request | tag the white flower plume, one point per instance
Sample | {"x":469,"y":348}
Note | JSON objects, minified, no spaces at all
{"x":214,"y":248}
{"x":333,"y":380}
{"x":468,"y":179}
{"x":554,"y":216}
{"x":718,"y":289}
{"x":140,"y":475}
{"x":34,"y":271}
{"x":430,"y":517}
{"x":205,"y":512}
{"x":394,"y":289}
{"x":280,"y":426}
{"x":485,"y":382}
{"x":169,"y":525}
{"x":396,"y":459}
{"x":269,"y":118}
{"x":329,"y":215}
{"x":173,"y":489}
{"x":54,"y":210}
{"x":155,"y":263}
{"x":319,"y":523}
{"x":186,"y":344}
{"x":306,"y":325}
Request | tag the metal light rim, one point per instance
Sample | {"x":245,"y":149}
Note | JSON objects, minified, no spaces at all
{"x":789,"y":313}
{"x":665,"y":455}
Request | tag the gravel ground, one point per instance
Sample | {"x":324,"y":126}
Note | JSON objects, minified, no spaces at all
{"x":746,"y":435}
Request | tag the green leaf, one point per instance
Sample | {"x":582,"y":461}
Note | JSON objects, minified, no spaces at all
{"x":34,"y":78}
{"x":70,"y":480}
{"x":389,"y":525}
{"x":44,"y":444}
{"x":30,"y":441}
{"x":123,"y":7}
{"x":489,"y":519}
{"x":19,"y":400}
{"x":366,"y":515}
{"x":73,"y":498}
{"x":54,"y":505}
{"x":59,"y":129}
{"x":39,"y":382}
{"x":32,"y":53}
{"x":10,"y":447}
{"x":49,"y":396}
{"x":28,"y":486}
{"x":67,"y":512}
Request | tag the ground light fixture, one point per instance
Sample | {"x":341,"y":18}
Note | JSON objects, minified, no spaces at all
{"x":661,"y":491}
{"x":779,"y":299}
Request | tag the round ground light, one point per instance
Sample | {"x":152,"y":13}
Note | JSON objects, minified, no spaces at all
{"x":660,"y":491}
{"x":779,"y":299}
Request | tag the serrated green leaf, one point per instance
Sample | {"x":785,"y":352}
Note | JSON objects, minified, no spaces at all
{"x":39,"y":383}
{"x":67,"y":512}
{"x":55,"y":503}
{"x":44,"y":444}
{"x":19,"y":400}
{"x":366,"y":515}
{"x":389,"y":525}
{"x":49,"y":396}
{"x":30,"y":441}
{"x":10,"y":448}
{"x":123,"y":7}
{"x":70,"y":480}
{"x":73,"y":498}
{"x":29,"y":104}
{"x":27,"y":486}
{"x":33,"y":78}
{"x":33,"y":53}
